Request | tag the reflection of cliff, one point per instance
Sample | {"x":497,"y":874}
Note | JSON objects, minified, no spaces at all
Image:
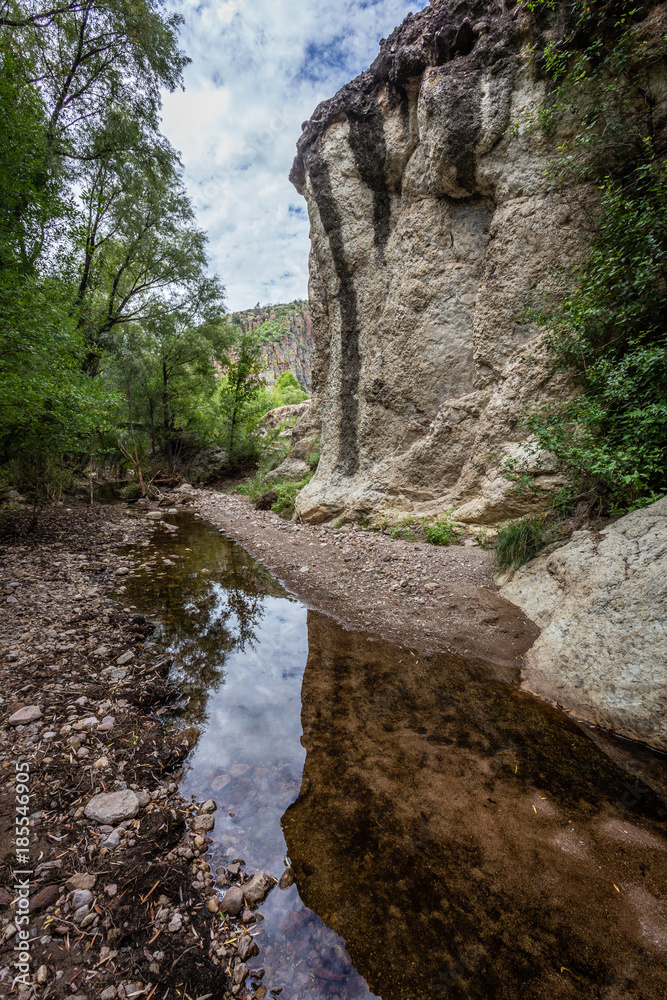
{"x":464,"y":840}
{"x":287,"y":339}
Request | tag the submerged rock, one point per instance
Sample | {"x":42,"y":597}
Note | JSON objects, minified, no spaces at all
{"x":258,"y":887}
{"x":601,"y":601}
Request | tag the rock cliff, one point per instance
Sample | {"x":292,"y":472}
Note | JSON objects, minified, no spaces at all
{"x":433,"y":227}
{"x":285,"y":332}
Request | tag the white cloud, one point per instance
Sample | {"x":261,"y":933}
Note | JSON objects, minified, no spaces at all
{"x":259,"y":68}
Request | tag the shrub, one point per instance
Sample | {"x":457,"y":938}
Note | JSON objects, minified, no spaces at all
{"x":131,"y":492}
{"x":254,"y":487}
{"x":287,"y":492}
{"x":441,"y":531}
{"x":520,"y":541}
{"x":609,"y":335}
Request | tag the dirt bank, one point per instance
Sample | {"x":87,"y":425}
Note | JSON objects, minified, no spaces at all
{"x":430,"y":597}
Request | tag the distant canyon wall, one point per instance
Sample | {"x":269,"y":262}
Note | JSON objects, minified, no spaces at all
{"x":286,"y":335}
{"x":433,"y":227}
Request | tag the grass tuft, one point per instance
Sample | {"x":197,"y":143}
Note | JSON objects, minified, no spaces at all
{"x":520,"y":541}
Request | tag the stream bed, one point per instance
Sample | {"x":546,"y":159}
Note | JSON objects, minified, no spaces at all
{"x":449,"y":836}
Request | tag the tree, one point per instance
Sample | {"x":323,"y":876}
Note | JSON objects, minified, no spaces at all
{"x":136,"y":249}
{"x":242,"y":384}
{"x":288,"y":391}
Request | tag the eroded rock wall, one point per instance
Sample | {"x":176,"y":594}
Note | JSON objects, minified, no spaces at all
{"x":433,"y":227}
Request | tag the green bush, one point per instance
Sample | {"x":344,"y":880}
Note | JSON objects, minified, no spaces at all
{"x":609,"y":335}
{"x":441,"y":531}
{"x":131,"y":492}
{"x":520,"y":541}
{"x":287,"y":491}
{"x":254,"y":487}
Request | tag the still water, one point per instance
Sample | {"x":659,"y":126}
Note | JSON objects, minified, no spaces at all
{"x":449,"y":836}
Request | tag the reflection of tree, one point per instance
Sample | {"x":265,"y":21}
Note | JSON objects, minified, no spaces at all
{"x":203,"y":618}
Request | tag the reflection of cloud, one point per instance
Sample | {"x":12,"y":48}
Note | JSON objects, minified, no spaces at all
{"x":258,"y":70}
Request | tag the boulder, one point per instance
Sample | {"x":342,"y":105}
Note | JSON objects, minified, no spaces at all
{"x":427,"y":243}
{"x":112,"y":807}
{"x":601,"y":602}
{"x":291,"y":468}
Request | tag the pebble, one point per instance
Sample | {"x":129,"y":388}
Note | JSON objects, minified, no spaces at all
{"x":109,"y":993}
{"x":247,"y":947}
{"x":287,"y":879}
{"x":113,"y":807}
{"x":41,"y":975}
{"x":154,"y":515}
{"x":175,"y":923}
{"x":207,"y":807}
{"x":213,"y":906}
{"x":24,"y":716}
{"x":101,"y":763}
{"x":81,"y":897}
{"x":241,"y":973}
{"x":80,"y":881}
{"x":113,"y":840}
{"x":111,"y":890}
{"x":79,"y":914}
{"x":203,"y":824}
{"x":125,"y":658}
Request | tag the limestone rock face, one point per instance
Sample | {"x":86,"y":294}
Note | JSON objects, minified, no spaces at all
{"x":433,"y":228}
{"x":601,"y":601}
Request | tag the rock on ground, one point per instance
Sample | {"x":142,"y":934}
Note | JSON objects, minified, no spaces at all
{"x":232,"y":901}
{"x":113,"y":807}
{"x":601,"y":601}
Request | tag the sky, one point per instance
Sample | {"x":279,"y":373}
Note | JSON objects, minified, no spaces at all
{"x":259,"y":68}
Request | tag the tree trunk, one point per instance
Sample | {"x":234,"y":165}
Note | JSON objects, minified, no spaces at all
{"x":165,"y":419}
{"x":134,"y":445}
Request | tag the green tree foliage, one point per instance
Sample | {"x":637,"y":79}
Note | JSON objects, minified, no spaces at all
{"x":288,"y":391}
{"x":241,"y":388}
{"x":166,"y":370}
{"x":610,"y":334}
{"x":109,"y":322}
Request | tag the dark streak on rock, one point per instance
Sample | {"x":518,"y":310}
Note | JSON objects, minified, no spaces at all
{"x":370,"y":153}
{"x":348,"y":449}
